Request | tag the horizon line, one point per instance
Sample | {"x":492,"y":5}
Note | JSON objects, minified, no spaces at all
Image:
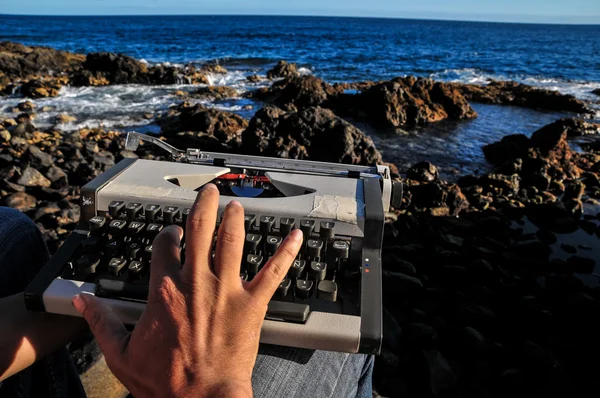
{"x":433,"y":19}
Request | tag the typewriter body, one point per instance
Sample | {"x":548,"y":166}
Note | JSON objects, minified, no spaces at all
{"x":331,"y":297}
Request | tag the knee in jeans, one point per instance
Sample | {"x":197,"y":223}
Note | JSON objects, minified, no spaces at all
{"x":15,"y":223}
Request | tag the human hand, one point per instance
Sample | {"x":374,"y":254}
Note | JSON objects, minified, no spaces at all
{"x":200,"y":331}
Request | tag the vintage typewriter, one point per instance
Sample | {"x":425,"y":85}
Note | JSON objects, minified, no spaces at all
{"x":331,"y":297}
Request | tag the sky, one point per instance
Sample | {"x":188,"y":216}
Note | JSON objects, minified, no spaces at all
{"x":540,"y":11}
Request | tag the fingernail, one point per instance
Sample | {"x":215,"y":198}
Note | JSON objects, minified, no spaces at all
{"x":296,"y":235}
{"x":79,"y":303}
{"x":210,"y":186}
{"x":235,"y":203}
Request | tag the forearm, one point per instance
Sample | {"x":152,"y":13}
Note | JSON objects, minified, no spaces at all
{"x":27,"y":336}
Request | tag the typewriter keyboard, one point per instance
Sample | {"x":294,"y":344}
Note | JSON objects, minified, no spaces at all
{"x":325,"y":276}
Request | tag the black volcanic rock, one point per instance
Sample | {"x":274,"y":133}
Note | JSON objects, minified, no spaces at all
{"x":19,"y":61}
{"x":405,"y":102}
{"x":283,"y":69}
{"x":517,"y":94}
{"x":313,"y":133}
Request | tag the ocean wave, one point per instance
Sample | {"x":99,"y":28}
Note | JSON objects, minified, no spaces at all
{"x":578,"y":88}
{"x":251,"y":62}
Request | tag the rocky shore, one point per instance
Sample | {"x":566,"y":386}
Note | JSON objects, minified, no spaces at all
{"x":489,"y":285}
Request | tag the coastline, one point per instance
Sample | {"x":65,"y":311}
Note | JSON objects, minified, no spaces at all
{"x":487,"y":286}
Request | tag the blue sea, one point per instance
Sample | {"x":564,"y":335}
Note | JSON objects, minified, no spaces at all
{"x":561,"y":57}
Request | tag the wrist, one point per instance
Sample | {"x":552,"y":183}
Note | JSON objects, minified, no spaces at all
{"x":230,"y":389}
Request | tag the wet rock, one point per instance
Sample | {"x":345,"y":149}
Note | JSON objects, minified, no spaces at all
{"x":596,"y":91}
{"x":38,"y":158}
{"x":26,"y":106}
{"x":255,"y":78}
{"x":224,"y":126}
{"x":406,"y":102}
{"x":392,"y":281}
{"x":423,"y":172}
{"x":31,"y":177}
{"x":313,"y":133}
{"x":574,"y":208}
{"x":420,"y":334}
{"x":507,"y":185}
{"x":541,"y":181}
{"x":215,"y":92}
{"x":581,"y":265}
{"x":574,"y":190}
{"x":568,"y":248}
{"x":21,"y":129}
{"x":576,"y":127}
{"x":551,"y":140}
{"x":20,"y":201}
{"x":588,"y":226}
{"x":63,"y":118}
{"x":58,"y":177}
{"x":19,"y":61}
{"x":214,"y":68}
{"x":283,"y":69}
{"x":5,"y":135}
{"x":42,"y":88}
{"x":516,"y":94}
{"x":441,"y":376}
{"x":438,"y":197}
{"x":591,"y":180}
{"x":301,"y":92}
{"x":546,"y":236}
{"x":115,"y":68}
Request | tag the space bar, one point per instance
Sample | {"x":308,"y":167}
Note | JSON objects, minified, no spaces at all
{"x":284,"y":311}
{"x":109,"y":288}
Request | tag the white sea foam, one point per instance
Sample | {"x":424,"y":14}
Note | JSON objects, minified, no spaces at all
{"x":579,"y":89}
{"x":121,"y":106}
{"x":305,"y":71}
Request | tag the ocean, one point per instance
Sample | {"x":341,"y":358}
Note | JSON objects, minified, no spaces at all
{"x":560,"y":57}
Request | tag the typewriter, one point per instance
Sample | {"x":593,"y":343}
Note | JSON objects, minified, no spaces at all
{"x":331,"y":297}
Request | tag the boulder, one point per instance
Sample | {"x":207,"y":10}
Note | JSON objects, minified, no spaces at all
{"x":63,"y":118}
{"x":517,"y":94}
{"x":283,"y":69}
{"x":31,"y":177}
{"x":20,"y":201}
{"x":115,"y":68}
{"x":508,"y":148}
{"x":214,"y":68}
{"x":5,"y":135}
{"x":224,"y":126}
{"x":423,"y":172}
{"x":41,"y":88}
{"x":26,"y":106}
{"x":214,"y":93}
{"x":438,"y":198}
{"x":551,"y":141}
{"x":313,"y":133}
{"x":302,"y":91}
{"x":255,"y":78}
{"x":19,"y":61}
{"x":38,"y":158}
{"x":405,"y":102}
{"x":58,"y":177}
{"x":596,"y":91}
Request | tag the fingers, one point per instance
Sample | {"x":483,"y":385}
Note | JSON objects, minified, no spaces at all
{"x":200,"y":230}
{"x":109,"y":331}
{"x":166,"y":253}
{"x":266,"y":281}
{"x":230,"y":244}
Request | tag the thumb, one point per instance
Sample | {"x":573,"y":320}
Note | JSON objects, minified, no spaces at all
{"x":109,"y":331}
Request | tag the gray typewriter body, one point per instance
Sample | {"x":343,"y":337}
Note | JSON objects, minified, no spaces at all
{"x":353,"y":199}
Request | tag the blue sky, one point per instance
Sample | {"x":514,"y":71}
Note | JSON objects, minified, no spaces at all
{"x":554,"y":11}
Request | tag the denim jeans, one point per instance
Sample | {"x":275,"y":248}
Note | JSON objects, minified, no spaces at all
{"x":279,"y":371}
